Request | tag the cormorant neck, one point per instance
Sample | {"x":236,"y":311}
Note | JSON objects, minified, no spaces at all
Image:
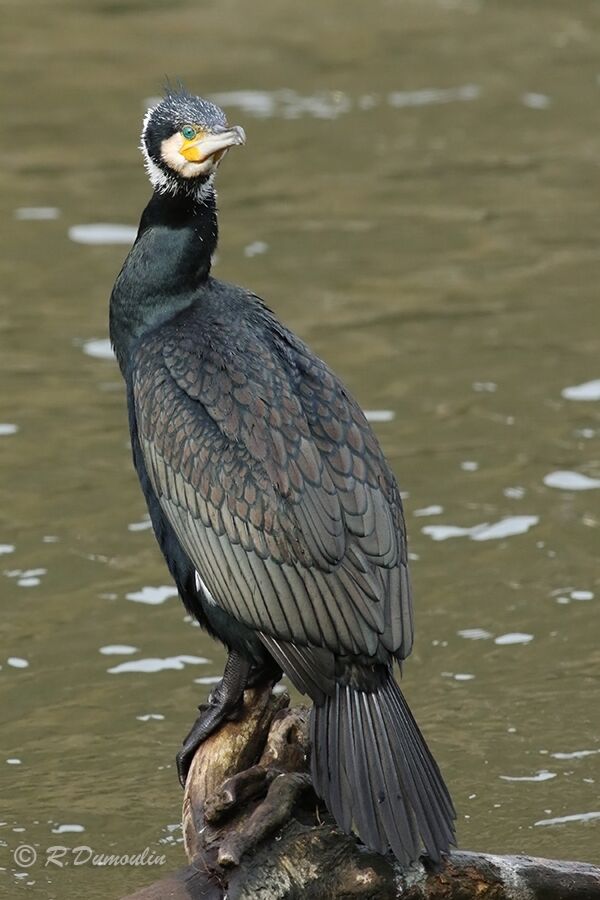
{"x":166,"y":267}
{"x":188,"y":228}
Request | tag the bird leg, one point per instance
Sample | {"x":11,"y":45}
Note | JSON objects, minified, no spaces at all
{"x":223,"y":703}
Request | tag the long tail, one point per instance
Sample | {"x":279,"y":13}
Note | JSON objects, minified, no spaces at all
{"x":373,"y":769}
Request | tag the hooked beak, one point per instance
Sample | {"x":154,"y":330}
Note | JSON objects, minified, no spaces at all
{"x":209,"y":144}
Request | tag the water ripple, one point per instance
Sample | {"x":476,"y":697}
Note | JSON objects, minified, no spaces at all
{"x":536,"y":101}
{"x":286,"y":103}
{"x":379,"y":415}
{"x":474,"y":634}
{"x":117,"y":650}
{"x":37,"y":213}
{"x":153,"y":596}
{"x":506,"y":527}
{"x":543,"y":775}
{"x":564,"y":480}
{"x":102,"y":233}
{"x":589,"y":390}
{"x":433,"y":510}
{"x":513,"y":637}
{"x":158,"y":664}
{"x":576,"y":817}
{"x":99,"y":348}
{"x":576,"y":754}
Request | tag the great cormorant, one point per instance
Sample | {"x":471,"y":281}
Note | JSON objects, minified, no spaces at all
{"x":277,"y":513}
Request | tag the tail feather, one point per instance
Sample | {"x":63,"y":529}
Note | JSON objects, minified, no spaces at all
{"x":445,"y":805}
{"x":398,"y":821}
{"x":373,"y":769}
{"x":366,"y":799}
{"x":340,"y":737}
{"x":414,"y":767}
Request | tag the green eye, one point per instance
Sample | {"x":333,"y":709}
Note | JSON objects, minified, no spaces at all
{"x":189,"y":132}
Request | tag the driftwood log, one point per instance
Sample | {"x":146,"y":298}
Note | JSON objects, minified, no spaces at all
{"x":254,"y":830}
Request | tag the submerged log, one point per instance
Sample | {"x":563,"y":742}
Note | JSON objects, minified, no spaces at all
{"x":253,"y":828}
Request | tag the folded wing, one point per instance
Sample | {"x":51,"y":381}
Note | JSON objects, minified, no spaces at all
{"x":277,"y":489}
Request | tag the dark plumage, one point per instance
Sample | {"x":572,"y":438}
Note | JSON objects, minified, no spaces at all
{"x":278,"y":515}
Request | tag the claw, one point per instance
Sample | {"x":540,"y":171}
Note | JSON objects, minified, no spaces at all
{"x":210,"y":718}
{"x":183,"y":761}
{"x":224,"y":703}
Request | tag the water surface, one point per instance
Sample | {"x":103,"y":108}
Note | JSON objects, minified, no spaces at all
{"x":418,"y":199}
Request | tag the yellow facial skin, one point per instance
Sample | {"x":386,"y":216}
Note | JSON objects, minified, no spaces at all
{"x":200,"y":154}
{"x":190,"y":149}
{"x":206,"y":144}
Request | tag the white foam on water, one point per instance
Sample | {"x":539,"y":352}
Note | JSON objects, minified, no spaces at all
{"x":571,"y":481}
{"x":433,"y":96}
{"x":474,"y":634}
{"x":514,"y":637}
{"x":536,"y":101}
{"x":582,"y":595}
{"x":153,"y":596}
{"x":256,"y":248}
{"x":543,"y":775}
{"x":102,"y":233}
{"x":433,"y":510}
{"x":379,"y":415}
{"x":154,"y":664}
{"x":37,"y":213}
{"x":117,"y":649}
{"x":576,"y":754}
{"x":99,"y":348}
{"x":507,"y":527}
{"x":286,"y":103}
{"x":457,"y":676}
{"x":588,"y":390}
{"x":515,"y":493}
{"x":576,"y":817}
{"x":289,"y":104}
{"x":144,"y":525}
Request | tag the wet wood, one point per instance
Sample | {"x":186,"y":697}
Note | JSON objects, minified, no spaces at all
{"x":253,"y":828}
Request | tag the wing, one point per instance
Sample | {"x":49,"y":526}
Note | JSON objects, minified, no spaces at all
{"x":276,"y":487}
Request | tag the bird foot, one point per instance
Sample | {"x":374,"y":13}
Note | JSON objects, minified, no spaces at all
{"x":219,"y":709}
{"x":224,"y":703}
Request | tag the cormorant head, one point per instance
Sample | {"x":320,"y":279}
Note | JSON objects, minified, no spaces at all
{"x":184,"y":138}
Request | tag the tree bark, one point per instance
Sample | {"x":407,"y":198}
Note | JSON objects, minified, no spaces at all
{"x":253,"y":828}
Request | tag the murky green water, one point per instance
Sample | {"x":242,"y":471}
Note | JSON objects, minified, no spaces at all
{"x":419,"y":200}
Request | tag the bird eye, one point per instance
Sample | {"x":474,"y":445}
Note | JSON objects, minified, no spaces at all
{"x":188,"y":132}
